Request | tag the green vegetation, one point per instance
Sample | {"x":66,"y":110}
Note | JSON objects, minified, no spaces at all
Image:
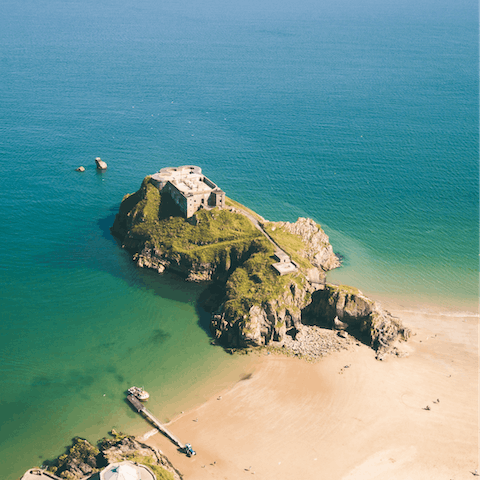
{"x":80,"y":452}
{"x":343,"y":288}
{"x":217,"y":236}
{"x":232,"y":203}
{"x":290,"y":243}
{"x":254,"y":283}
{"x":159,"y":472}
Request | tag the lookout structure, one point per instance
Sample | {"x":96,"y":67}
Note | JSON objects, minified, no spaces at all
{"x":189,"y":188}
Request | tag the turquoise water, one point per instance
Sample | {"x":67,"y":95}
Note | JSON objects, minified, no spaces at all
{"x":363,"y":116}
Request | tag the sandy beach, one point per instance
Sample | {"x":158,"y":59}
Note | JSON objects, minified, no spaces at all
{"x":346,"y":417}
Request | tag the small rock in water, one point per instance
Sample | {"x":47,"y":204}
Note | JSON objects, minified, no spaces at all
{"x":80,"y":169}
{"x":101,"y":165}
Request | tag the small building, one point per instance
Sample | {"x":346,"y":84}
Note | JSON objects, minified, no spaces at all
{"x":189,"y":188}
{"x":284,"y":264}
{"x":281,"y":257}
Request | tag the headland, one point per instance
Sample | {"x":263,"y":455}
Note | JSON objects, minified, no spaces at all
{"x":266,"y":280}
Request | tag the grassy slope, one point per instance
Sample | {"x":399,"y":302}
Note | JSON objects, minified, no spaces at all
{"x":255,"y":283}
{"x":159,"y":472}
{"x":290,"y":243}
{"x":218,"y":232}
{"x":232,"y":203}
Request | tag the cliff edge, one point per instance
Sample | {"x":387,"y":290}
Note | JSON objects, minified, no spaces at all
{"x":234,"y":249}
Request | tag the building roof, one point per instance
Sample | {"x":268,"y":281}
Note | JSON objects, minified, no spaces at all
{"x":126,"y":471}
{"x":285,"y":267}
{"x":188,"y":180}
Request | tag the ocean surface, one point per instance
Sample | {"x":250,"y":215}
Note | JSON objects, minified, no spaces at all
{"x":360,"y":115}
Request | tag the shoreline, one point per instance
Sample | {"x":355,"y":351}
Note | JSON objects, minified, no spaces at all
{"x":363,"y":422}
{"x":459,"y":333}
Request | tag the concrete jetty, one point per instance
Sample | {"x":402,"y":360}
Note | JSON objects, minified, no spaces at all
{"x":143,"y":410}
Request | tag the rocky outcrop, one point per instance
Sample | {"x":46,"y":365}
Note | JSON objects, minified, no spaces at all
{"x":252,"y":304}
{"x":84,"y":459}
{"x":194,"y":271}
{"x":80,"y":169}
{"x":318,"y":249}
{"x":337,"y":308}
{"x":265,"y":323}
{"x":101,"y":165}
{"x":81,"y":459}
{"x":347,"y":309}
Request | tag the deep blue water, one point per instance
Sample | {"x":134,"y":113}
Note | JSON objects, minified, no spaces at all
{"x":361,"y":115}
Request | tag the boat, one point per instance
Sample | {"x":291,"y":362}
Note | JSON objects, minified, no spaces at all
{"x":140,"y":393}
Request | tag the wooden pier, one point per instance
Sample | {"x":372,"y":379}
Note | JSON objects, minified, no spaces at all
{"x":140,"y":408}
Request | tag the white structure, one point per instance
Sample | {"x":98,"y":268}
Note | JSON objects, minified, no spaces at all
{"x":284,"y":264}
{"x":127,"y":471}
{"x":189,"y":188}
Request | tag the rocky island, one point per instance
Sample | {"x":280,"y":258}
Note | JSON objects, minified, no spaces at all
{"x":266,"y":280}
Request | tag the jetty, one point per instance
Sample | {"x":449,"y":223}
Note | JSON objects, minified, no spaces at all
{"x":140,"y":408}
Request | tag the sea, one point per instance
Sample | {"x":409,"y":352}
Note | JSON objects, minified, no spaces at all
{"x":362,"y":115}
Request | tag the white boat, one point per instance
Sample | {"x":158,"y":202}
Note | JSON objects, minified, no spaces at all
{"x":140,"y":393}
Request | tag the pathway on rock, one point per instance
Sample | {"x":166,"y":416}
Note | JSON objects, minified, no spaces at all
{"x":257,"y":225}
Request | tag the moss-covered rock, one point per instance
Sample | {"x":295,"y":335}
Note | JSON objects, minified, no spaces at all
{"x":81,"y":459}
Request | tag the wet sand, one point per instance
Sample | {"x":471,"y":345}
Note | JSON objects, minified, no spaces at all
{"x":296,"y":420}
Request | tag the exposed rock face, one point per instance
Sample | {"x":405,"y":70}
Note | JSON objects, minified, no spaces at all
{"x":145,"y":213}
{"x":82,"y":459}
{"x":151,"y":258}
{"x":346,"y":308}
{"x":156,"y":259}
{"x":264,"y":323}
{"x":269,"y":323}
{"x":252,"y":306}
{"x":101,"y":165}
{"x":80,"y":169}
{"x":319,"y":251}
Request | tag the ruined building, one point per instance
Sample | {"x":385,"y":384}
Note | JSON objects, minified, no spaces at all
{"x":189,"y":188}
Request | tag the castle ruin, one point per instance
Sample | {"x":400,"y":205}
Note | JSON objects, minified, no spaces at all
{"x":189,"y":188}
